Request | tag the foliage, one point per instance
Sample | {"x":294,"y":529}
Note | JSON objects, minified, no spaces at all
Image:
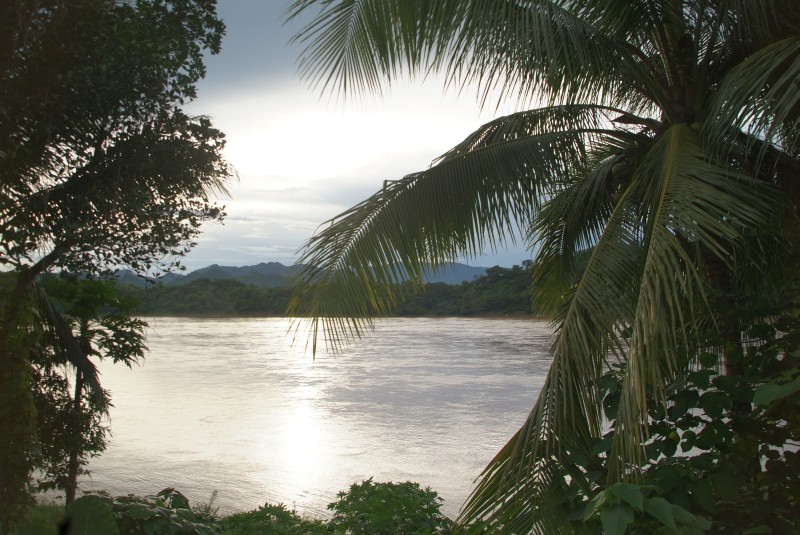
{"x":17,"y":409}
{"x":367,"y":507}
{"x":99,"y":165}
{"x":205,"y":297}
{"x":657,"y":181}
{"x":208,"y":509}
{"x":168,"y":512}
{"x":86,"y":317}
{"x":388,"y":509}
{"x":720,"y":456}
{"x":273,"y":519}
{"x":40,"y":519}
{"x":89,"y":515}
{"x":501,"y":291}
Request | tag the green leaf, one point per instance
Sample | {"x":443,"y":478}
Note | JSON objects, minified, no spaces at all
{"x":708,"y":360}
{"x":769,"y":392}
{"x":703,"y":494}
{"x":684,"y":401}
{"x":91,"y":515}
{"x":616,"y":518}
{"x":603,"y":445}
{"x":631,"y":494}
{"x":688,"y":439}
{"x":715,"y":403}
{"x":594,"y":504}
{"x":686,"y":518}
{"x":176,"y":500}
{"x":140,"y":511}
{"x":661,"y":509}
{"x":702,"y":378}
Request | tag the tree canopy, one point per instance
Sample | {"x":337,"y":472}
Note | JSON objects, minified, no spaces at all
{"x":657,"y":179}
{"x":99,"y":165}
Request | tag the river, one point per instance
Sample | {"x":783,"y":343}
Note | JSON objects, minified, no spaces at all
{"x":230,"y":405}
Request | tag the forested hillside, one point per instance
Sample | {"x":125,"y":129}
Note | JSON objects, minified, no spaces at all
{"x":500,"y":291}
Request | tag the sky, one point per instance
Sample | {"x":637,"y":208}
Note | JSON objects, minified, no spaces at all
{"x":303,"y":156}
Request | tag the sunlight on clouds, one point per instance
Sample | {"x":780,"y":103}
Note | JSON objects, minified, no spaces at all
{"x":302,"y":160}
{"x":289,"y":132}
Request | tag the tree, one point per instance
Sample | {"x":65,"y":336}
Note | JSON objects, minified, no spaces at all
{"x":89,"y":318}
{"x":99,"y":165}
{"x":658,"y":181}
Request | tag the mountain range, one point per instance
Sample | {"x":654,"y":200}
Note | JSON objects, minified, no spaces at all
{"x":275,"y":274}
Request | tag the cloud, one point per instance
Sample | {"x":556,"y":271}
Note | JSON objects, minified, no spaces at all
{"x":303,"y":159}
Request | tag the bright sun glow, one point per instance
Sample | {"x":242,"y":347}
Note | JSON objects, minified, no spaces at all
{"x":291,"y":134}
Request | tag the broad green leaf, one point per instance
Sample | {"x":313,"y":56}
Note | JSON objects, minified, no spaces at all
{"x":616,"y":518}
{"x":715,"y":403}
{"x":769,"y":392}
{"x":703,"y":494}
{"x":90,"y":515}
{"x":140,"y":511}
{"x":602,"y":446}
{"x":661,"y":509}
{"x":598,"y":501}
{"x":629,"y":493}
{"x":686,"y":518}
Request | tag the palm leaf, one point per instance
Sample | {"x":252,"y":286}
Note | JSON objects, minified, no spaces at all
{"x":760,"y":97}
{"x":470,"y":199}
{"x":696,"y":209}
{"x":641,"y":274}
{"x":520,"y":48}
{"x":69,"y":344}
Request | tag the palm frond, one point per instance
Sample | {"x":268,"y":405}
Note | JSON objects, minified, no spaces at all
{"x":760,"y":97}
{"x":695,"y":208}
{"x":470,"y":199}
{"x":570,"y":224}
{"x":642,"y":277}
{"x":537,"y":47}
{"x":567,"y":413}
{"x":69,"y":344}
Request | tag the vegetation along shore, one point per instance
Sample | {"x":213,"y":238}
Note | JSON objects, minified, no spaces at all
{"x":498,"y":292}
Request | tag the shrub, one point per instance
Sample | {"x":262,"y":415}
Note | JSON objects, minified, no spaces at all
{"x":166,"y":513}
{"x":388,"y":509}
{"x":41,"y":519}
{"x":272,"y":519}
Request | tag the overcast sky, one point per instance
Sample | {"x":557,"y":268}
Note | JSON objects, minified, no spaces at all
{"x":303,"y":157}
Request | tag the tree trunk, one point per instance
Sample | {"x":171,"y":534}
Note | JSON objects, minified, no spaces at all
{"x":72,"y":463}
{"x":17,"y":411}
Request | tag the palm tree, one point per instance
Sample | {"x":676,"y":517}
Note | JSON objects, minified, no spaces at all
{"x":659,"y":172}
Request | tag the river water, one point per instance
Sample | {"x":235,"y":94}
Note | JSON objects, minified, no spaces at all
{"x":229,"y":405}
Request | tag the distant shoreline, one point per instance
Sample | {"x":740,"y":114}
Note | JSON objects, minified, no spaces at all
{"x":515,"y":315}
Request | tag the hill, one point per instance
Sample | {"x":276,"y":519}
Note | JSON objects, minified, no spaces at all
{"x":276,"y":275}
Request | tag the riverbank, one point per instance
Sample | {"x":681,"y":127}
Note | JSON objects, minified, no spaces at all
{"x":401,"y":508}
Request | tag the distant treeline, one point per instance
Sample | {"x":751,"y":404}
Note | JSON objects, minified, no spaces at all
{"x":501,"y":291}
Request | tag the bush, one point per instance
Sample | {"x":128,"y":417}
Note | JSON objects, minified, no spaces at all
{"x":167,"y":512}
{"x":41,"y":519}
{"x":388,"y":509}
{"x":272,"y":519}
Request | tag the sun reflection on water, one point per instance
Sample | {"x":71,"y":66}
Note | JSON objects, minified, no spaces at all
{"x":231,"y":405}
